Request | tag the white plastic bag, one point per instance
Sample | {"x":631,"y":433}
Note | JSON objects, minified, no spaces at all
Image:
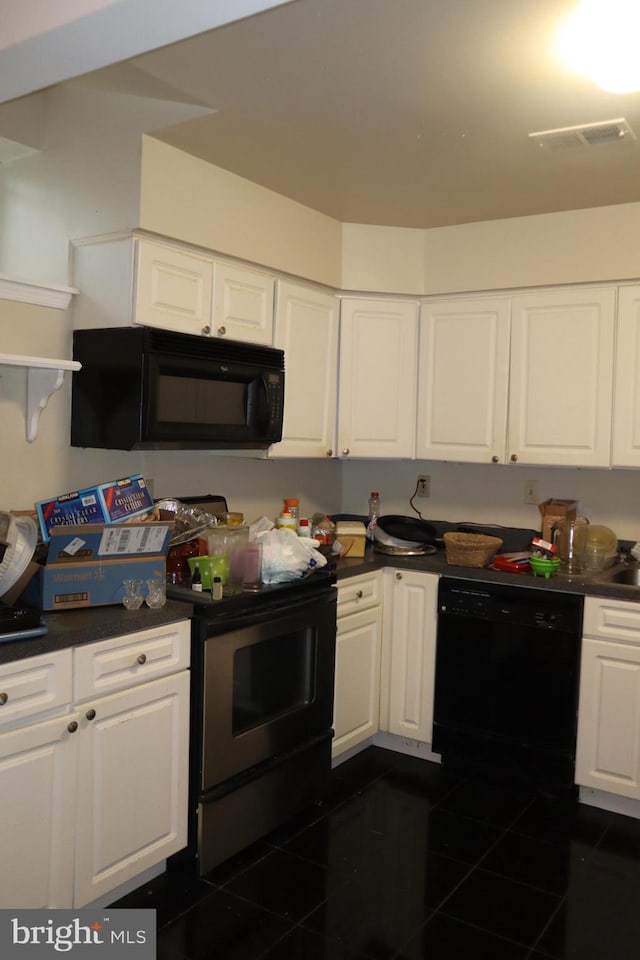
{"x":286,"y":556}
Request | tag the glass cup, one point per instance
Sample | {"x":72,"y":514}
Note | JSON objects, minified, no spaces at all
{"x":132,"y":598}
{"x":252,"y":569}
{"x":156,"y":593}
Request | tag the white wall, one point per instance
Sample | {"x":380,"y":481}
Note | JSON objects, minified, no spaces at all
{"x":569,"y":247}
{"x":186,"y":198}
{"x":493,"y":493}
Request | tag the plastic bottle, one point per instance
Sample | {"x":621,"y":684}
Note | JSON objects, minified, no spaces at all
{"x":286,"y":520}
{"x":374,"y":513}
{"x":196,"y":579}
{"x":304,"y":528}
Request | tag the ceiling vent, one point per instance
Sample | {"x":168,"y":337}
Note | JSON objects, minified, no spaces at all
{"x":586,"y":135}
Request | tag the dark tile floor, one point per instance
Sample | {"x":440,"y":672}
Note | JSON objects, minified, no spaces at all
{"x":405,"y":860}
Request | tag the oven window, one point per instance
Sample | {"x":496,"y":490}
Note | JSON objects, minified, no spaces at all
{"x":273,"y":678}
{"x":203,"y":401}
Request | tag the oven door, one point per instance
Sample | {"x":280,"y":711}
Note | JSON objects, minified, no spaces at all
{"x":268,"y":687}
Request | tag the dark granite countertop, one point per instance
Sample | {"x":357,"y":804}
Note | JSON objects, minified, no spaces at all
{"x":75,"y":627}
{"x":585,"y":584}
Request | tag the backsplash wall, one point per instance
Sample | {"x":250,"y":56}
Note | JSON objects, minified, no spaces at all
{"x":493,"y":493}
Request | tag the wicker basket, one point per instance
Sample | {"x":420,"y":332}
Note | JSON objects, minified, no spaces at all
{"x":470,"y":549}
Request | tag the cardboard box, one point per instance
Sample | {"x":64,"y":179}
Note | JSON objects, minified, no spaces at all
{"x":113,"y":502}
{"x":352,"y":537}
{"x":554,"y":511}
{"x":86,"y":564}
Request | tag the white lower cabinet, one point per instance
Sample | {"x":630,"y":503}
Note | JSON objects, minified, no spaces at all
{"x":608,"y":749}
{"x":409,"y":653}
{"x":38,"y":765}
{"x":358,"y":649}
{"x":132,"y":784}
{"x":94,"y":790}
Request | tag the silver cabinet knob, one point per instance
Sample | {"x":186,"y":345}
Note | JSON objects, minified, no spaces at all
{"x":398,"y":576}
{"x":222,"y":331}
{"x":359,"y":594}
{"x":73,"y":726}
{"x":206,"y":330}
{"x":90,"y":714}
{"x":329,"y":453}
{"x":142,"y":658}
{"x":345,"y":452}
{"x":495,"y":459}
{"x":514,"y":458}
{"x":3,"y":699}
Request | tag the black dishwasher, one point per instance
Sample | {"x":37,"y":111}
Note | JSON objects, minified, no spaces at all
{"x":506,"y":684}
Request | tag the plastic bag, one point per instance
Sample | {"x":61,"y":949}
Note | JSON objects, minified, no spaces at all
{"x":286,"y":556}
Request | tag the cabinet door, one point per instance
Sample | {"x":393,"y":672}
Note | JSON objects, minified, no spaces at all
{"x":626,"y":422}
{"x":463,"y":377}
{"x":608,"y":749}
{"x":409,"y":653}
{"x":242,"y":304}
{"x":38,"y":766}
{"x":306,"y":328}
{"x":173,"y":288}
{"x":378,"y":378}
{"x":132,"y":783}
{"x":561,"y":380}
{"x":357,"y":680}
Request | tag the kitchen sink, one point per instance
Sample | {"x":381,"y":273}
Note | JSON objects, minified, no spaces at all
{"x":627,"y":575}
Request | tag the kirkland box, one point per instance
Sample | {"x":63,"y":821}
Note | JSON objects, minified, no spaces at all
{"x":111,"y":502}
{"x":86,"y":564}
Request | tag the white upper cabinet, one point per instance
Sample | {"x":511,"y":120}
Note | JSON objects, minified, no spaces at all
{"x":173,"y":288}
{"x":306,"y":328}
{"x":463,"y":380}
{"x":242,"y":304}
{"x":127,"y":279}
{"x":378,"y":378}
{"x":561,"y":380}
{"x":626,"y":402}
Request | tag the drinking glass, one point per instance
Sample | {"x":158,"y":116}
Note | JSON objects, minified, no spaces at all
{"x":132,"y":598}
{"x":156,"y":593}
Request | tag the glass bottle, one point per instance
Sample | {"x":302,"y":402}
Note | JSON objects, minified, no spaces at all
{"x":374,"y":513}
{"x":196,"y":579}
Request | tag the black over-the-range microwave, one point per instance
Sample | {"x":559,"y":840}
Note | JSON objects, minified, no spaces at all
{"x":146,"y":388}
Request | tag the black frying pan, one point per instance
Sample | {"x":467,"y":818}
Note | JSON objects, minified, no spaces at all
{"x":408,"y":528}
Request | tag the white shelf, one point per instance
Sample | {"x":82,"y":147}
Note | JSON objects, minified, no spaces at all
{"x":44,"y":377}
{"x":31,"y":291}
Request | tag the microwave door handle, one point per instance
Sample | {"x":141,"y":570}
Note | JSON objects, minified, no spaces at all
{"x":262,"y":403}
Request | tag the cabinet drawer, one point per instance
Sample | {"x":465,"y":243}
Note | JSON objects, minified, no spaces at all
{"x":134,"y":658}
{"x":612,"y":619}
{"x":35,"y":685}
{"x":359,"y":593}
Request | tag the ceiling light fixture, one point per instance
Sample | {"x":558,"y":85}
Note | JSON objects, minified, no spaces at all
{"x":599,"y":40}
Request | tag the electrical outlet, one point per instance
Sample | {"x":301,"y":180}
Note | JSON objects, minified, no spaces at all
{"x":424,"y":487}
{"x":531,"y":492}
